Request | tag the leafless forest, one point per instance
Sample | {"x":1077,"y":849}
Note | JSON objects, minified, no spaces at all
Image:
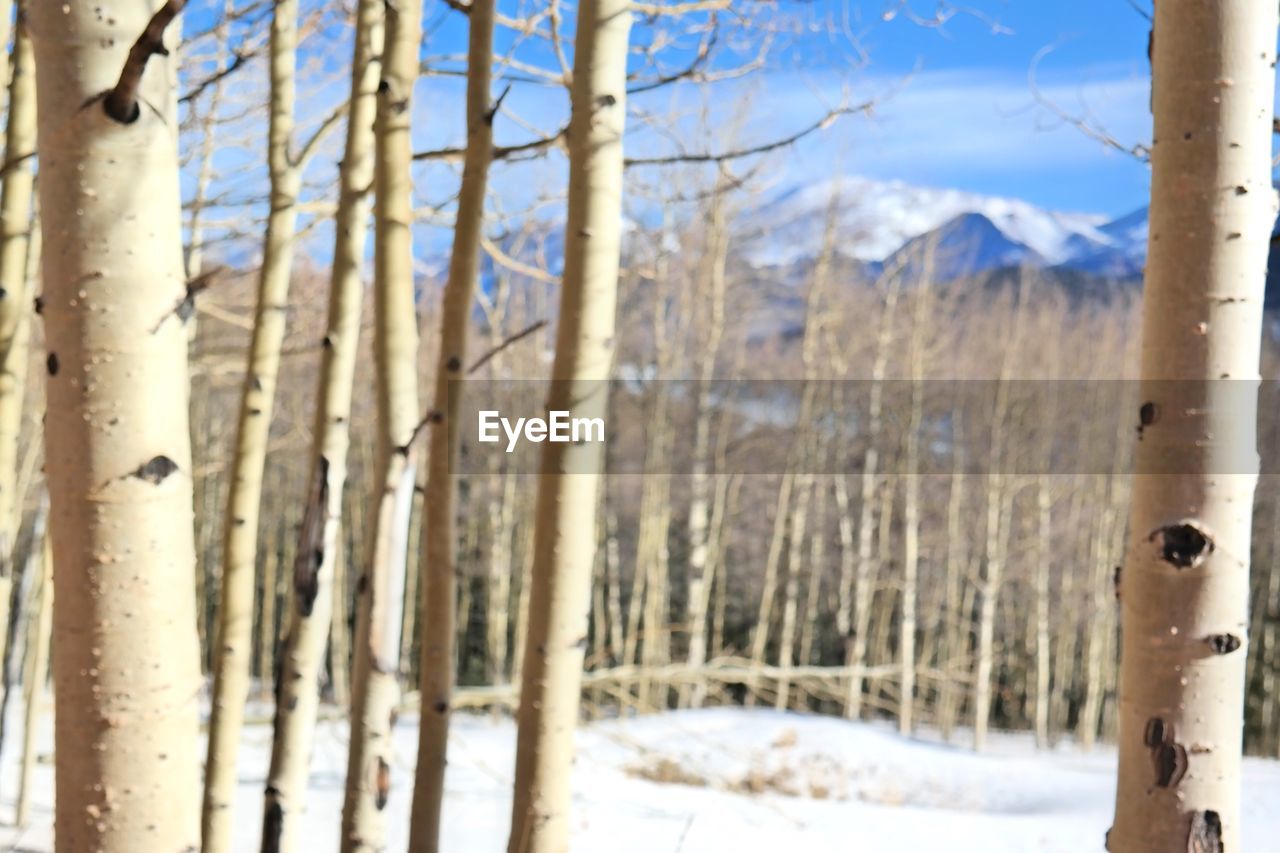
{"x":267,"y":288}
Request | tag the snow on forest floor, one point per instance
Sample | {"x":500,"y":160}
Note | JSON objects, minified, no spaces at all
{"x":722,"y":779}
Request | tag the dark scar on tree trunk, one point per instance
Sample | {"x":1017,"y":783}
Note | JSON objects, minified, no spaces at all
{"x":382,"y":785}
{"x":272,"y":822}
{"x":1206,"y":833}
{"x":1168,"y":757}
{"x":306,"y":565}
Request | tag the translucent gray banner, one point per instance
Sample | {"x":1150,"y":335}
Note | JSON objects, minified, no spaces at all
{"x":927,"y":427}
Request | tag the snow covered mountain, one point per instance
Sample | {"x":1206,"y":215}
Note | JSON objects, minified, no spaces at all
{"x":970,"y":232}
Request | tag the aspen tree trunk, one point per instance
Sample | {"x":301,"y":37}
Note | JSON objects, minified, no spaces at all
{"x":500,"y":486}
{"x":599,"y":624}
{"x":791,"y":593}
{"x":301,"y":657}
{"x":848,"y":563}
{"x":653,"y":551}
{"x":524,"y":550}
{"x":16,"y":194}
{"x":999,"y":508}
{"x":635,"y":609}
{"x":1111,"y":658}
{"x":1185,"y":585}
{"x":1065,"y":664}
{"x":804,"y":458}
{"x":126,"y":664}
{"x":772,"y":563}
{"x":6,"y":20}
{"x":1270,"y":620}
{"x":809,"y":626}
{"x":410,"y":603}
{"x":240,"y":532}
{"x":911,"y":499}
{"x":998,"y":502}
{"x":564,"y":536}
{"x":725,"y":505}
{"x":375,"y":682}
{"x":27,"y":599}
{"x":16,"y":224}
{"x":656,"y":523}
{"x":1044,"y":548}
{"x":700,"y":567}
{"x":1099,"y":628}
{"x":612,"y":571}
{"x":439,"y":553}
{"x":267,"y":635}
{"x":1043,"y":566}
{"x":1112,"y":495}
{"x":648,"y":623}
{"x":339,"y":640}
{"x":955,"y":619}
{"x":866,"y":572}
{"x":36,"y":675}
{"x":498,"y":618}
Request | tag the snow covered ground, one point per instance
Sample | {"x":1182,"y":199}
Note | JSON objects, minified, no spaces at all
{"x":729,"y":780}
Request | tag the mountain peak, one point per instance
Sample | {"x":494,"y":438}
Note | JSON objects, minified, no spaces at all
{"x":876,"y":219}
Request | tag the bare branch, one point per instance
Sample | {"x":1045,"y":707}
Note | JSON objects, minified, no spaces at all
{"x":308,"y":148}
{"x":518,"y":336}
{"x":505,"y":152}
{"x":737,"y":154}
{"x":237,"y":61}
{"x":516,"y":266}
{"x":699,"y":59}
{"x":1141,"y":11}
{"x":10,"y":165}
{"x":1093,"y":131}
{"x":656,"y":10}
{"x":121,"y":102}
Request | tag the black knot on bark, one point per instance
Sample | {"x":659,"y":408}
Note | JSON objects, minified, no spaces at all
{"x":156,"y":470}
{"x":51,"y":364}
{"x":1223,"y":644}
{"x":1148,"y":414}
{"x":1183,"y":546}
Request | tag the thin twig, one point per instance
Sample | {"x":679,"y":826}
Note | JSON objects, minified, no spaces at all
{"x":518,"y":336}
{"x":726,"y":156}
{"x":501,"y":152}
{"x":1093,"y":131}
{"x":121,"y":102}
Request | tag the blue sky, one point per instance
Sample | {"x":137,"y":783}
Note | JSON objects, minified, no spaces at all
{"x":965,"y":116}
{"x":953,"y":104}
